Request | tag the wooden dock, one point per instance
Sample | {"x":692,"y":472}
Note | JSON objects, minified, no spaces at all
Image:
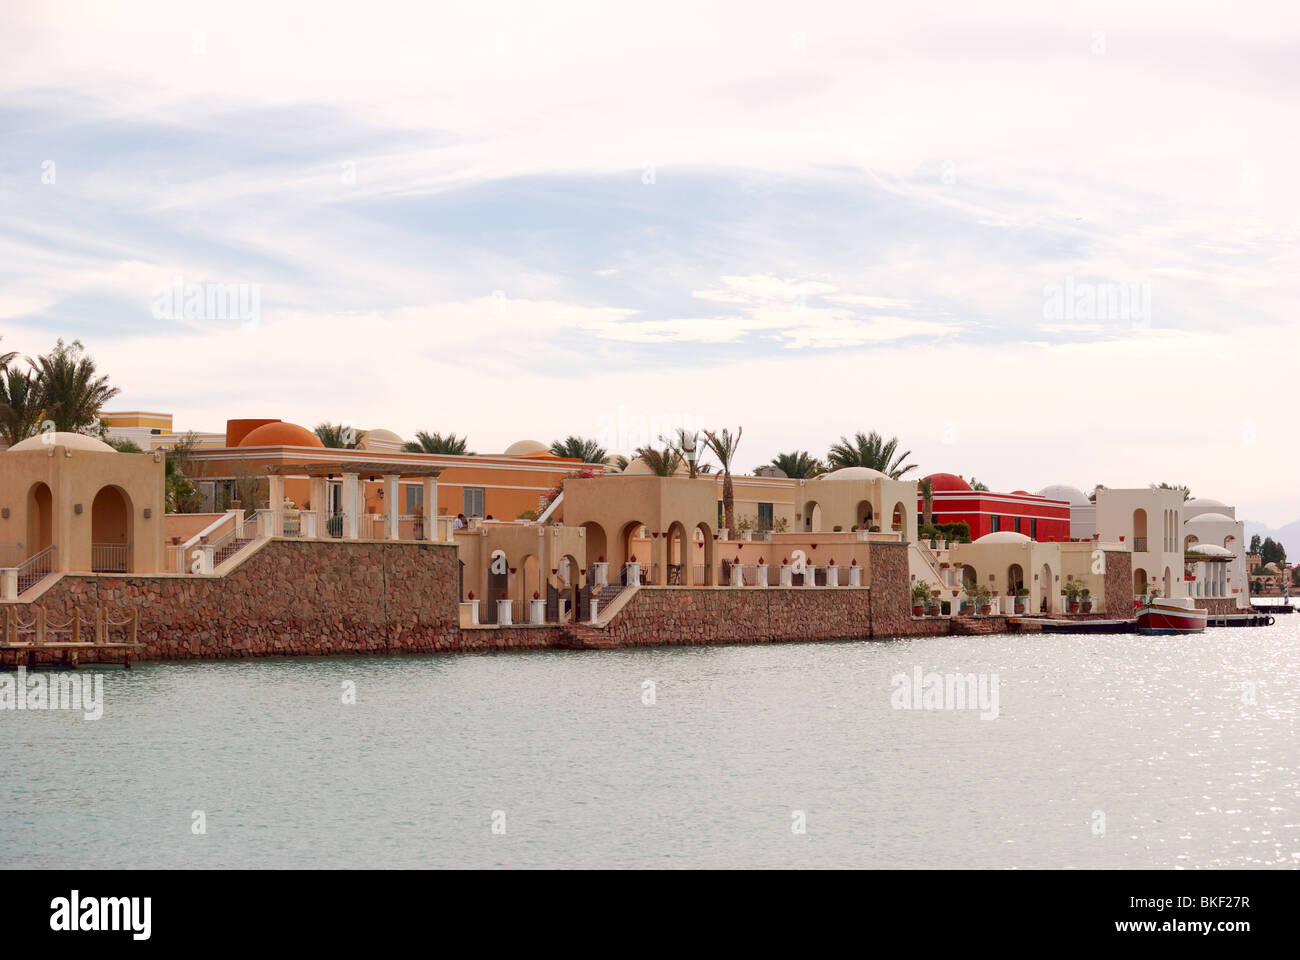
{"x":26,"y":639}
{"x":1049,"y":625}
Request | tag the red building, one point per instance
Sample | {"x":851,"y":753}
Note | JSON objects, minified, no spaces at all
{"x":1036,"y":517}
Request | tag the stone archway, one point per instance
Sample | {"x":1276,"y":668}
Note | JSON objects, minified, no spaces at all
{"x":864,"y":515}
{"x":1015,"y":579}
{"x":633,"y":545}
{"x":40,"y":519}
{"x":812,"y":517}
{"x":111,"y":527}
{"x":1139,"y":530}
{"x":1046,"y":582}
{"x":898,"y":518}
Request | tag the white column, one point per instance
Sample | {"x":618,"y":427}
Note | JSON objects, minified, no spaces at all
{"x":320,"y":507}
{"x":430,"y":485}
{"x":276,"y":486}
{"x":392,"y":508}
{"x":351,"y":494}
{"x":9,"y":583}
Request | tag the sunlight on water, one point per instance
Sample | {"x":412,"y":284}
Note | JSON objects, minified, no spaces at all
{"x":1107,"y":751}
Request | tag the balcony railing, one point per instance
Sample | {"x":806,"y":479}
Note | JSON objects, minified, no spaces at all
{"x":110,"y":557}
{"x":1139,"y":544}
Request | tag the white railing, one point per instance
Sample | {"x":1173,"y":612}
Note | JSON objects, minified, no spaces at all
{"x":110,"y":557}
{"x":35,"y":569}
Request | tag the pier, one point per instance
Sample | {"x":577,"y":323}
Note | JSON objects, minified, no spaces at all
{"x":67,"y":640}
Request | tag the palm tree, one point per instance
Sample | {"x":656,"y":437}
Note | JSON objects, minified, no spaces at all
{"x":71,"y":393}
{"x":6,"y":359}
{"x":724,"y":446}
{"x":798,"y":465}
{"x":425,"y":442}
{"x":20,"y":406}
{"x":336,"y":436}
{"x":873,"y":451}
{"x":576,"y":448}
{"x":926,"y":489}
{"x":1187,"y":493}
{"x":662,"y":463}
{"x":687,"y":443}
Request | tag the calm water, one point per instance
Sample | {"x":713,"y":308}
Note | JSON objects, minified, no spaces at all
{"x":1154,"y":733}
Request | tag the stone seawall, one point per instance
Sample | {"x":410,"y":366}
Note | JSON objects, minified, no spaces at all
{"x":1118,"y":585}
{"x":339,"y":597}
{"x":290,"y":598}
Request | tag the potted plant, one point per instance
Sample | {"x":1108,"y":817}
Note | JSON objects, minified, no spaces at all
{"x":1071,"y":591}
{"x":1022,"y":600}
{"x":932,"y":606}
{"x":980,"y":598}
{"x":920,"y":596}
{"x":744,"y":526}
{"x":1085,"y":599}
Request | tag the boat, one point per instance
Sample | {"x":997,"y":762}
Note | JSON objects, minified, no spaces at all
{"x":1166,"y":615}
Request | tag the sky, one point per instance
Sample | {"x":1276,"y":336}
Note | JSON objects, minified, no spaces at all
{"x":1040,"y":243}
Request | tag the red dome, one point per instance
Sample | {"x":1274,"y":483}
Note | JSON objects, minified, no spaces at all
{"x":281,"y":434}
{"x":947,"y":483}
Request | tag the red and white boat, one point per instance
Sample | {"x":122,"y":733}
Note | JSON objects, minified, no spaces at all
{"x":1166,"y":615}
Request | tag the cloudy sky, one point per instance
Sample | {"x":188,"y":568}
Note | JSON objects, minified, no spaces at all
{"x":1039,"y":242}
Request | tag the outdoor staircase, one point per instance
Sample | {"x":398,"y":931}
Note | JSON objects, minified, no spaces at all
{"x":229,"y":549}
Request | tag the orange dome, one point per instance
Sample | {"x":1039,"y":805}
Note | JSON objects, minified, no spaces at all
{"x":281,"y":434}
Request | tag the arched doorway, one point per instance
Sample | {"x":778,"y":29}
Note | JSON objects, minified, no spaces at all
{"x":864,"y":515}
{"x":40,"y":519}
{"x":678,"y":557}
{"x":898,"y":519}
{"x":594,"y":535}
{"x":1046,"y":581}
{"x":1139,"y":582}
{"x":633,"y":543}
{"x":528,"y":580}
{"x":498,"y":585}
{"x":1168,"y":588}
{"x":704,"y":541}
{"x":1139,"y":530}
{"x":812,"y":517}
{"x":110,"y":531}
{"x":1015,"y":579}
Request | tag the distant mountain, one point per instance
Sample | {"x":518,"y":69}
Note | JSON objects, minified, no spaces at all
{"x":1288,"y":536}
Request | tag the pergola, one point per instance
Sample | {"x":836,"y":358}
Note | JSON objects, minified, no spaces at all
{"x":351,"y":472}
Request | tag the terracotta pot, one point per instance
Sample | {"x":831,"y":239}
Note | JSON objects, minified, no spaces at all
{"x":1074,"y":606}
{"x":917,"y":610}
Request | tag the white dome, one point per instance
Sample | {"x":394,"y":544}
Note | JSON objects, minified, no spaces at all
{"x":1003,"y":536}
{"x":73,"y":441}
{"x":1062,"y":491}
{"x":1205,"y":502}
{"x":522,"y":448}
{"x":1211,"y":518}
{"x":852,"y":473}
{"x":380,"y":440}
{"x":1209,"y":549}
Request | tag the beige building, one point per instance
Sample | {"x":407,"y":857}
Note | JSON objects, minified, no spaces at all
{"x":72,"y":503}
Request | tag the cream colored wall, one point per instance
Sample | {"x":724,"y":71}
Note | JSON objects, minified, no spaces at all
{"x":519,"y":541}
{"x":1115,"y":510}
{"x":839,"y":499}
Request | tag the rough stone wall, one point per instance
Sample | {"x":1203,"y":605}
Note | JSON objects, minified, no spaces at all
{"x":1218,"y":606}
{"x":706,"y":615}
{"x":1118,"y":585}
{"x":290,"y":598}
{"x":891,"y":592}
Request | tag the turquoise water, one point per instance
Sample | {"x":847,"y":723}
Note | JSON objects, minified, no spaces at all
{"x":1107,"y":751}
